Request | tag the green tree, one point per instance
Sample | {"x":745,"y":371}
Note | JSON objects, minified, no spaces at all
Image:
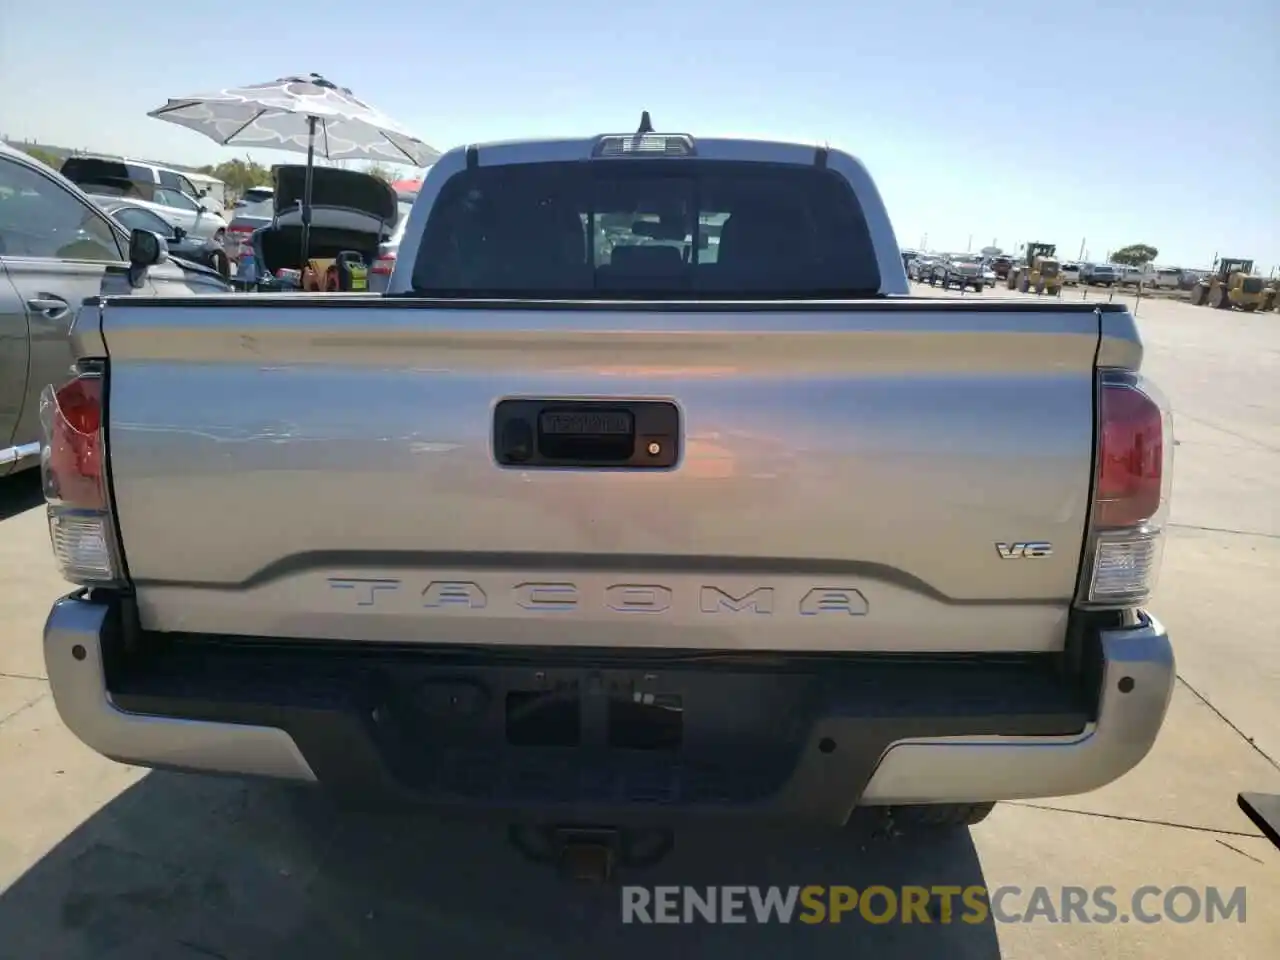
{"x":380,"y":171}
{"x":48,"y":158}
{"x":239,"y":175}
{"x":1135,"y":254}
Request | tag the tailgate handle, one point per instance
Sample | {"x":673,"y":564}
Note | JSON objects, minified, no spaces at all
{"x":626,"y":434}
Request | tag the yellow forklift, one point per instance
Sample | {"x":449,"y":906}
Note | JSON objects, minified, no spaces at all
{"x":1232,"y":284}
{"x":1039,"y":271}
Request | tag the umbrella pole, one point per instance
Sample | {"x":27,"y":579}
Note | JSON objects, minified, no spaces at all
{"x":306,"y":191}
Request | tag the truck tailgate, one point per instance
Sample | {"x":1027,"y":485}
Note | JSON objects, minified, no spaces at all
{"x":857,"y":476}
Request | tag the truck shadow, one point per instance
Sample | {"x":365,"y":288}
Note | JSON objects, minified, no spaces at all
{"x":19,"y":493}
{"x":186,"y":867}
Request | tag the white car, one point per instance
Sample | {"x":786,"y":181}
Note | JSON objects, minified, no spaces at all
{"x":1163,"y":278}
{"x":175,"y":208}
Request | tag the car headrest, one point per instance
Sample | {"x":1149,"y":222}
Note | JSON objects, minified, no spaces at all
{"x":646,"y":258}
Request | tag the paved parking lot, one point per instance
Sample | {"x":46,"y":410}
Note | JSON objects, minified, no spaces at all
{"x":102,"y":861}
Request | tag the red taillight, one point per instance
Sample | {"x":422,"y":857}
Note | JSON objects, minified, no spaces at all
{"x":73,"y":469}
{"x":383,"y":266}
{"x":1130,"y":457}
{"x":1122,"y":557}
{"x":72,"y":418}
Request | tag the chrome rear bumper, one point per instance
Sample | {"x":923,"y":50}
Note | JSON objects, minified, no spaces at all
{"x":73,"y":648}
{"x":1137,"y":674}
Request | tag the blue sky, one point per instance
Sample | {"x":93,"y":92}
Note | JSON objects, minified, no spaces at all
{"x":1003,"y":121}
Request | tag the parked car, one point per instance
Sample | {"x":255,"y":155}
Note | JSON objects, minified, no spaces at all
{"x":127,"y":179}
{"x":1129,"y":276}
{"x":84,"y":168}
{"x":961,"y":271}
{"x":385,"y":262}
{"x":1071,"y":273}
{"x":133,"y":215}
{"x":1099,"y":274}
{"x":253,"y":196}
{"x":921,"y":268}
{"x":1191,"y":278}
{"x":246,"y":218}
{"x":1001,"y":265}
{"x":494,"y":542}
{"x":351,"y":211}
{"x":1151,"y":277}
{"x":211,"y":192}
{"x":57,"y":248}
{"x":177,"y":209}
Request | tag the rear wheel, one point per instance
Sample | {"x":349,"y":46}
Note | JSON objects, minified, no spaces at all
{"x":1197,"y":295}
{"x":925,"y":816}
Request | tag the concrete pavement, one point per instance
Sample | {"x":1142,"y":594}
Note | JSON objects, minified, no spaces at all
{"x":102,"y":861}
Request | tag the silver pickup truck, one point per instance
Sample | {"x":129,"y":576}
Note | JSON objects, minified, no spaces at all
{"x":646,"y":488}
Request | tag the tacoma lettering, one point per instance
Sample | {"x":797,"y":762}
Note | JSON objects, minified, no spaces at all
{"x":564,"y":596}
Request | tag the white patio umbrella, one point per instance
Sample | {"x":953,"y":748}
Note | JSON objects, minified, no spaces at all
{"x":304,"y":114}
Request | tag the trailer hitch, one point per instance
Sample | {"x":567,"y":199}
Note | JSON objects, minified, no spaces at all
{"x":589,"y":854}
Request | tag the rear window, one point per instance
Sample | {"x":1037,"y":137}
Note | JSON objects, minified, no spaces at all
{"x":78,"y":169}
{"x":264,"y":209}
{"x":652,"y":229}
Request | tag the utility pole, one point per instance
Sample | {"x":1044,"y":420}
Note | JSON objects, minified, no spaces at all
{"x":1082,"y":240}
{"x":969,"y":246}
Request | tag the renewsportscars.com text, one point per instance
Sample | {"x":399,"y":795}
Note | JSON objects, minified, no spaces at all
{"x":818,"y":904}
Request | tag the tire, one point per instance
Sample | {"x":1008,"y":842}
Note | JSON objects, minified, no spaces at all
{"x":978,"y":288}
{"x":1218,"y":298}
{"x":1024,"y":285}
{"x":922,"y":816}
{"x":942,"y":814}
{"x":1197,"y":297}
